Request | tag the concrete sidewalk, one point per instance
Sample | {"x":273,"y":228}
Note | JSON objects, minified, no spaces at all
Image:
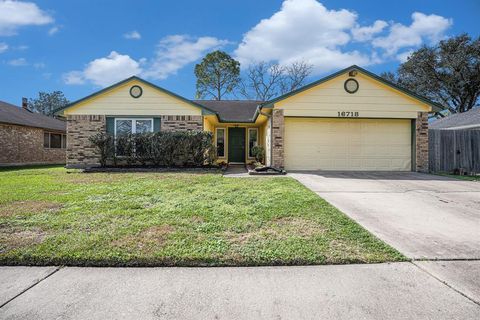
{"x":376,"y":291}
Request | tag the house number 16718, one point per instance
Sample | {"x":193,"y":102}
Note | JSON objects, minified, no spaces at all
{"x":346,"y":114}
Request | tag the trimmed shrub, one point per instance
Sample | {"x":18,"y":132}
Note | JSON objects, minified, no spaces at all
{"x":104,"y":144}
{"x":258,"y":153}
{"x":167,"y":148}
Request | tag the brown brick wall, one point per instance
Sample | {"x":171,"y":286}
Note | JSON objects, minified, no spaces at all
{"x":181,"y":123}
{"x":80,"y":151}
{"x":24,"y":145}
{"x":421,"y":140}
{"x":278,"y":133}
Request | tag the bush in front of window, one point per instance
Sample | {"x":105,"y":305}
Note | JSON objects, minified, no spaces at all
{"x":164,"y":148}
{"x":104,"y":145}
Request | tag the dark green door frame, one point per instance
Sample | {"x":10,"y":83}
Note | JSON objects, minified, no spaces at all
{"x":236,"y":145}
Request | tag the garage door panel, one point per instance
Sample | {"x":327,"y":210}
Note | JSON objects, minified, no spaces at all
{"x":347,"y":144}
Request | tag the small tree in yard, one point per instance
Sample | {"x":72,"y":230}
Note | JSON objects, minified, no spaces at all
{"x":448,"y":73}
{"x":217,"y":75}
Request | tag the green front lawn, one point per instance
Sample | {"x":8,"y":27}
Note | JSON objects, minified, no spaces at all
{"x":49,"y":216}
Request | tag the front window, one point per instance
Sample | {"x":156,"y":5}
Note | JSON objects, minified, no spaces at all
{"x":252,"y":141}
{"x":127,"y":126}
{"x":142,"y":126}
{"x":220,"y":142}
{"x":54,"y":140}
{"x":124,"y":127}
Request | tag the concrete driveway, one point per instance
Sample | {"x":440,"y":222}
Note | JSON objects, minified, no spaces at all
{"x":423,"y":216}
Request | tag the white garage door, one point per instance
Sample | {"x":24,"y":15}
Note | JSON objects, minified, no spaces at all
{"x":347,"y":144}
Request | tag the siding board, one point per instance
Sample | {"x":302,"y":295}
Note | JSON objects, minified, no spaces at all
{"x":119,"y":102}
{"x":372,"y":100}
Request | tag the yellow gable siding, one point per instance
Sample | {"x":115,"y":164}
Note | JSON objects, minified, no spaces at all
{"x":372,"y":100}
{"x":119,"y":102}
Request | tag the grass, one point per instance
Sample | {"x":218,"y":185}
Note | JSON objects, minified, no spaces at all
{"x":51,"y":217}
{"x":460,"y":177}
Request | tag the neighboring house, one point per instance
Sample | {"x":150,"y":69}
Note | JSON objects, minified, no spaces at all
{"x":30,"y":138}
{"x":459,"y":121}
{"x":350,"y":120}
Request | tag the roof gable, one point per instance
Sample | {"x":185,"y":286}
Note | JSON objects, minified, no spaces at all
{"x":134,"y":79}
{"x":400,"y":90}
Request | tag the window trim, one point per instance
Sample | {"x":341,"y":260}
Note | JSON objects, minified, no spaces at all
{"x":63,"y":140}
{"x":224,"y":141}
{"x":134,"y":125}
{"x":248,"y":141}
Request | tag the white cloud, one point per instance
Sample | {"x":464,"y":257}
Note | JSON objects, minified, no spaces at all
{"x":74,"y":77}
{"x":16,"y":14}
{"x":173,"y":53}
{"x":403,"y":56}
{"x":105,"y":71}
{"x":423,"y":27}
{"x":367,"y":33}
{"x":3,"y":47}
{"x":53,"y":30}
{"x":303,"y":30}
{"x":20,"y":62}
{"x":134,"y":35}
{"x":176,"y":51}
{"x":307,"y":30}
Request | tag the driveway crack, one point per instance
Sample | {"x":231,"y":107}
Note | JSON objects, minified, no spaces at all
{"x":445,"y":283}
{"x":31,"y":286}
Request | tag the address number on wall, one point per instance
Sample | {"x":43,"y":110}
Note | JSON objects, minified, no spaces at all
{"x":348,"y":114}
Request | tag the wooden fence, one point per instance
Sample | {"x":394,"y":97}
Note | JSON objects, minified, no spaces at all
{"x":452,"y":149}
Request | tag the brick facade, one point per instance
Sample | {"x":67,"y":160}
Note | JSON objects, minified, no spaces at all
{"x":421,"y":142}
{"x":181,"y":123}
{"x":278,"y":133}
{"x":24,"y":145}
{"x":80,"y":151}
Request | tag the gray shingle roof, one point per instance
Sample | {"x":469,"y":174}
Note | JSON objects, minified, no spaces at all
{"x":467,"y":119}
{"x":232,"y":110}
{"x":19,"y":116}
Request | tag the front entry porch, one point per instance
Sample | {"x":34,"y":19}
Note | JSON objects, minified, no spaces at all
{"x":236,"y":145}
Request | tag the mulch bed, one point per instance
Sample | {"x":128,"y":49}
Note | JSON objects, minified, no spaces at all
{"x":155,"y":169}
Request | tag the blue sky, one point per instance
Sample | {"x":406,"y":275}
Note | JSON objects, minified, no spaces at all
{"x":80,"y":46}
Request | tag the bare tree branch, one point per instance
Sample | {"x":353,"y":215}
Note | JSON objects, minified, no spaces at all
{"x":264,"y":81}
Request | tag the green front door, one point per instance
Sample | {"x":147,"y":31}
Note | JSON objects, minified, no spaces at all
{"x":236,"y":144}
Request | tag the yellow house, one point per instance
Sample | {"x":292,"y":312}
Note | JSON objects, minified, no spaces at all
{"x":350,"y":120}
